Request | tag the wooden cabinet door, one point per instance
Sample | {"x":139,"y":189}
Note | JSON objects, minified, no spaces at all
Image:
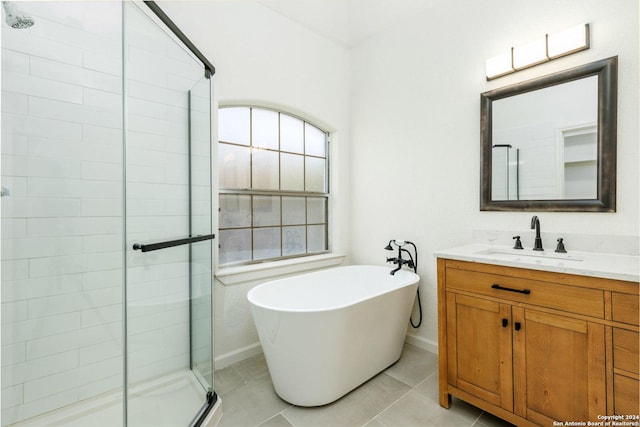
{"x":559,"y":369}
{"x":480,"y":349}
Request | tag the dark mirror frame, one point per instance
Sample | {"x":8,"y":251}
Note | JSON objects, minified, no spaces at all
{"x":607,"y":72}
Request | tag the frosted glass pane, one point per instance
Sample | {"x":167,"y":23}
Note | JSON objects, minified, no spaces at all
{"x":291,"y":134}
{"x":266,"y":211}
{"x":265,"y":128}
{"x":235,"y":211}
{"x":293,"y":210}
{"x":235,"y":246}
{"x":294,"y":241}
{"x":233,"y":125}
{"x":315,"y":174}
{"x":265,"y":170}
{"x":316,"y":210}
{"x":234,"y":166}
{"x":316,"y":238}
{"x":315,"y":141}
{"x":266,"y":243}
{"x":292,"y":172}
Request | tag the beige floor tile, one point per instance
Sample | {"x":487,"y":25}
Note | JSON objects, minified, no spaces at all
{"x":355,"y":409}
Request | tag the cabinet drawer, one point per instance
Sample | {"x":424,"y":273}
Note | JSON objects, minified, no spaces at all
{"x":585,"y":301}
{"x":625,"y":308}
{"x":625,"y":350}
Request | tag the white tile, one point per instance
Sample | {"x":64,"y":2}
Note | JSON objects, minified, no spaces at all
{"x":14,"y":62}
{"x":78,"y":113}
{"x":75,"y":339}
{"x":157,"y":94}
{"x":101,"y":351}
{"x":41,"y":87}
{"x":15,"y":103}
{"x":54,"y":187}
{"x":102,"y":189}
{"x":98,"y":61}
{"x":15,"y":269}
{"x":55,"y":148}
{"x":11,"y":396}
{"x":40,"y":368}
{"x":105,"y":100}
{"x":97,"y":387}
{"x":14,"y":311}
{"x":17,"y":185}
{"x":40,"y":287}
{"x":33,"y":207}
{"x":13,"y":165}
{"x":102,"y":261}
{"x":40,"y":247}
{"x":96,"y":135}
{"x":12,"y":143}
{"x":55,"y":266}
{"x":100,"y":315}
{"x":29,"y":329}
{"x":73,"y":226}
{"x":53,"y":168}
{"x":102,"y":243}
{"x":12,"y":228}
{"x":76,"y":75}
{"x":34,"y":408}
{"x":102,"y":171}
{"x":13,"y":353}
{"x":101,"y":153}
{"x":102,"y":279}
{"x":41,"y":127}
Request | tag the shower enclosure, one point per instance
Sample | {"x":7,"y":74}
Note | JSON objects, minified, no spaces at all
{"x":106,"y":218}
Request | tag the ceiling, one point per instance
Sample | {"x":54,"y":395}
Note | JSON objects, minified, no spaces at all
{"x":347,"y":22}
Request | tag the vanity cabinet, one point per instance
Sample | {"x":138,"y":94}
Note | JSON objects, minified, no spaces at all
{"x":534,"y":347}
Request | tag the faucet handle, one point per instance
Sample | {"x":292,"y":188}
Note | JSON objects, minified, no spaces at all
{"x":560,"y":248}
{"x":518,"y":243}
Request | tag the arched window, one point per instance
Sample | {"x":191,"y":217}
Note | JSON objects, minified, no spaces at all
{"x":273,"y":185}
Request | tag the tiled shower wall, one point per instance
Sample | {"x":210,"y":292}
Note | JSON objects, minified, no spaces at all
{"x":63,"y":224}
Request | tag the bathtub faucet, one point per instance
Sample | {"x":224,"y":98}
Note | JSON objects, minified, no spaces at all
{"x":399,"y":260}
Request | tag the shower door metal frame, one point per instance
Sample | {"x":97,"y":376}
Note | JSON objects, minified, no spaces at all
{"x":209,"y":71}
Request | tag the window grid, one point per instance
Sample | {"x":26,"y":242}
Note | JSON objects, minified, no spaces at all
{"x":280,"y":194}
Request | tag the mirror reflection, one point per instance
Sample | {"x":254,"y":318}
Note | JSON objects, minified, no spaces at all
{"x":545,"y":143}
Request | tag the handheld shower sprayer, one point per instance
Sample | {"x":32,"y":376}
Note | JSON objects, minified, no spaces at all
{"x":411,"y":263}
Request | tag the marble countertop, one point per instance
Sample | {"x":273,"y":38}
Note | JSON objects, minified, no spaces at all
{"x":609,"y":266}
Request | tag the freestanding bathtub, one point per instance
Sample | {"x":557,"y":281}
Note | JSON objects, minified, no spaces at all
{"x":325,"y":333}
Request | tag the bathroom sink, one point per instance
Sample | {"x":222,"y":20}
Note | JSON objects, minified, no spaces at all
{"x":529,"y":255}
{"x":595,"y":264}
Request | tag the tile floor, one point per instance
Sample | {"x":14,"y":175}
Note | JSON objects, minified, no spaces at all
{"x":405,"y":394}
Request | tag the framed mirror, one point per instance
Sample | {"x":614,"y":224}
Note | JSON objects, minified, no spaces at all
{"x":549,"y":144}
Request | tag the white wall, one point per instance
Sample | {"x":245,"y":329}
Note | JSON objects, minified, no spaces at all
{"x":265,"y":59}
{"x":404,"y":110}
{"x":415,"y":120}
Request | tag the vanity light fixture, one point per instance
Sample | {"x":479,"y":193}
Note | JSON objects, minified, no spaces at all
{"x":545,"y":49}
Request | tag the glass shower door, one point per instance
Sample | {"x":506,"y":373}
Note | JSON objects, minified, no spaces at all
{"x":168,"y":226}
{"x":201,"y":253}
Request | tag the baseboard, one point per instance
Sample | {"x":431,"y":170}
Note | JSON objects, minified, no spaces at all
{"x":235,"y":356}
{"x":423,"y":343}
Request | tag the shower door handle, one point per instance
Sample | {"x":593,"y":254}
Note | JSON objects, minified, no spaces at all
{"x":171,"y":243}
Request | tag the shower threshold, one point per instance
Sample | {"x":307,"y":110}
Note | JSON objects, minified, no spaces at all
{"x":151,"y":403}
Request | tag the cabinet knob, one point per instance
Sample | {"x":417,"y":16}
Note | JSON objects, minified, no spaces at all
{"x":518,"y":326}
{"x":505,"y":323}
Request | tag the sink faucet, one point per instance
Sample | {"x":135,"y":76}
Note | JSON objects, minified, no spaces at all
{"x":535,"y":223}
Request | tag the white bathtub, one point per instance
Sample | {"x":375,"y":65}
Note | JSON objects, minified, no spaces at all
{"x":325,"y":333}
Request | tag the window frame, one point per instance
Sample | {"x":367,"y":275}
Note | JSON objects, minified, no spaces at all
{"x":251,"y":192}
